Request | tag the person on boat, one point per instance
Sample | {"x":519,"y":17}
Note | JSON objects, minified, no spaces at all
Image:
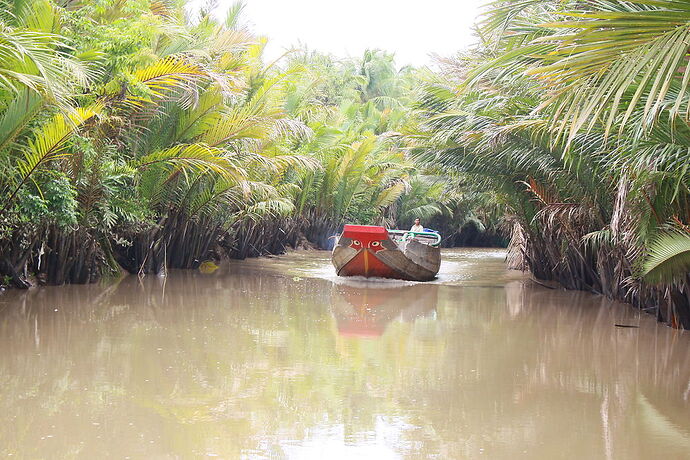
{"x":417,"y":227}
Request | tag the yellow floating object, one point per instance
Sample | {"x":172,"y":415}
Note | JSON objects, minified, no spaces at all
{"x":208,"y":267}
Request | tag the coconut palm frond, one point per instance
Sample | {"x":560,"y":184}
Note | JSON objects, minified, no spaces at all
{"x":18,"y":115}
{"x":269,"y":208}
{"x":668,"y":258}
{"x":389,"y":195}
{"x":425,"y":212}
{"x":196,"y":157}
{"x":49,"y":144}
{"x":39,"y":61}
{"x":166,"y":75}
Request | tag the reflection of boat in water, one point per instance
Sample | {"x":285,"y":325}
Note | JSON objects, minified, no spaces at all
{"x":371,"y":251}
{"x":366,"y":311}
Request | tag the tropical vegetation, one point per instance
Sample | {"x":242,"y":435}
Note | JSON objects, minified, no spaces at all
{"x":137,"y":135}
{"x":576,"y":113}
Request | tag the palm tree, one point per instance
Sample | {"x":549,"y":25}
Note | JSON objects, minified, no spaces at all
{"x":572,"y":103}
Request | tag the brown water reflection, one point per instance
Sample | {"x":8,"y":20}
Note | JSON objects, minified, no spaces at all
{"x":275,"y":358}
{"x":363,"y":310}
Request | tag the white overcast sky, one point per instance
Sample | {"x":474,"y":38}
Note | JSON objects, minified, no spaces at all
{"x":412,"y":29}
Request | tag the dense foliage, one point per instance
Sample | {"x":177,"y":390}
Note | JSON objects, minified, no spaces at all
{"x":576,"y":113}
{"x":136,"y":135}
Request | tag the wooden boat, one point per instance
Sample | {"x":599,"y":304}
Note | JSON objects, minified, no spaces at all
{"x":372,"y":251}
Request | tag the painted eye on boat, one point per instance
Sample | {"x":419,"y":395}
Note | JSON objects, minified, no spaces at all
{"x":356,"y":243}
{"x":375,"y":243}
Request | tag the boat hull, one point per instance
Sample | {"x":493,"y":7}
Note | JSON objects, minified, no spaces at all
{"x":368,"y":251}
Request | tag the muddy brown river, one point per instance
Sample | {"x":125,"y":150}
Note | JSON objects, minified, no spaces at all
{"x":277,"y":358}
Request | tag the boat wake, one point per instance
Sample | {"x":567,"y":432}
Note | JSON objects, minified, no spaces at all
{"x":465,"y":266}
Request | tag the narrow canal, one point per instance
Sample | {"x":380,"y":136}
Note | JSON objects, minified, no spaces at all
{"x":278,"y":358}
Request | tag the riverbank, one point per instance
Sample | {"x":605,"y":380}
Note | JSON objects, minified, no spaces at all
{"x":279,"y":242}
{"x":57,"y":256}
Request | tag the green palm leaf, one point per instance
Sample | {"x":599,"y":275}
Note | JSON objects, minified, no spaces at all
{"x":272,"y":207}
{"x":17,"y":115}
{"x":165,"y":75}
{"x":389,"y":195}
{"x":196,"y":157}
{"x":49,"y":144}
{"x":668,"y":258}
{"x":40,"y":61}
{"x":424,"y":212}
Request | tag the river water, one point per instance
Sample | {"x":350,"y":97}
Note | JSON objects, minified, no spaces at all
{"x":278,"y":358}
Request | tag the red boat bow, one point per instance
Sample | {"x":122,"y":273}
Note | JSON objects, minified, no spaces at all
{"x":369,"y":251}
{"x":367,"y":240}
